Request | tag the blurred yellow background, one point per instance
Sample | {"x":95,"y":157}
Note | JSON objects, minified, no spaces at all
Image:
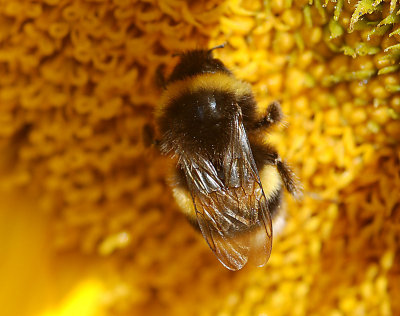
{"x":88,"y":225}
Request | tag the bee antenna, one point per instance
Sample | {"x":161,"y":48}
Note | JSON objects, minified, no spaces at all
{"x":209,"y":51}
{"x":218,"y":46}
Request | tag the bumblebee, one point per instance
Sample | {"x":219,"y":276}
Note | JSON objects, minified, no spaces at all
{"x":227,"y":181}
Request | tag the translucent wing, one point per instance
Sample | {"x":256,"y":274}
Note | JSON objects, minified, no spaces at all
{"x":231,"y":212}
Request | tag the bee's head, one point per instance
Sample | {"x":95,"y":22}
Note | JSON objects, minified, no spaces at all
{"x":197,"y":62}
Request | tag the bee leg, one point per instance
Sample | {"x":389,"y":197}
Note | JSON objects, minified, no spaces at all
{"x":289,"y":179}
{"x":274,"y":115}
{"x":148,"y":136}
{"x":267,"y":155}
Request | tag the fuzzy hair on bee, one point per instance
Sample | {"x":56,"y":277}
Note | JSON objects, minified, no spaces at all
{"x":227,"y":181}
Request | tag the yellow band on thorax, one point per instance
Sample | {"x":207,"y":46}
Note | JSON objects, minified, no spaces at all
{"x":209,"y":81}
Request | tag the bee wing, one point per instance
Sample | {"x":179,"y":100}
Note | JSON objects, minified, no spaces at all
{"x":232,"y":214}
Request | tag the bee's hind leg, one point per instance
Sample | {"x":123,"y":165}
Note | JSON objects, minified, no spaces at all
{"x":274,"y":115}
{"x":289,"y":179}
{"x":266,"y":154}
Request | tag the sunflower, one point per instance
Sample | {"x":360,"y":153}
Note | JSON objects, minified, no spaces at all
{"x":88,"y":223}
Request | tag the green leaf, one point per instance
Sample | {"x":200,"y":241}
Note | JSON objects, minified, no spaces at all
{"x":363,"y":7}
